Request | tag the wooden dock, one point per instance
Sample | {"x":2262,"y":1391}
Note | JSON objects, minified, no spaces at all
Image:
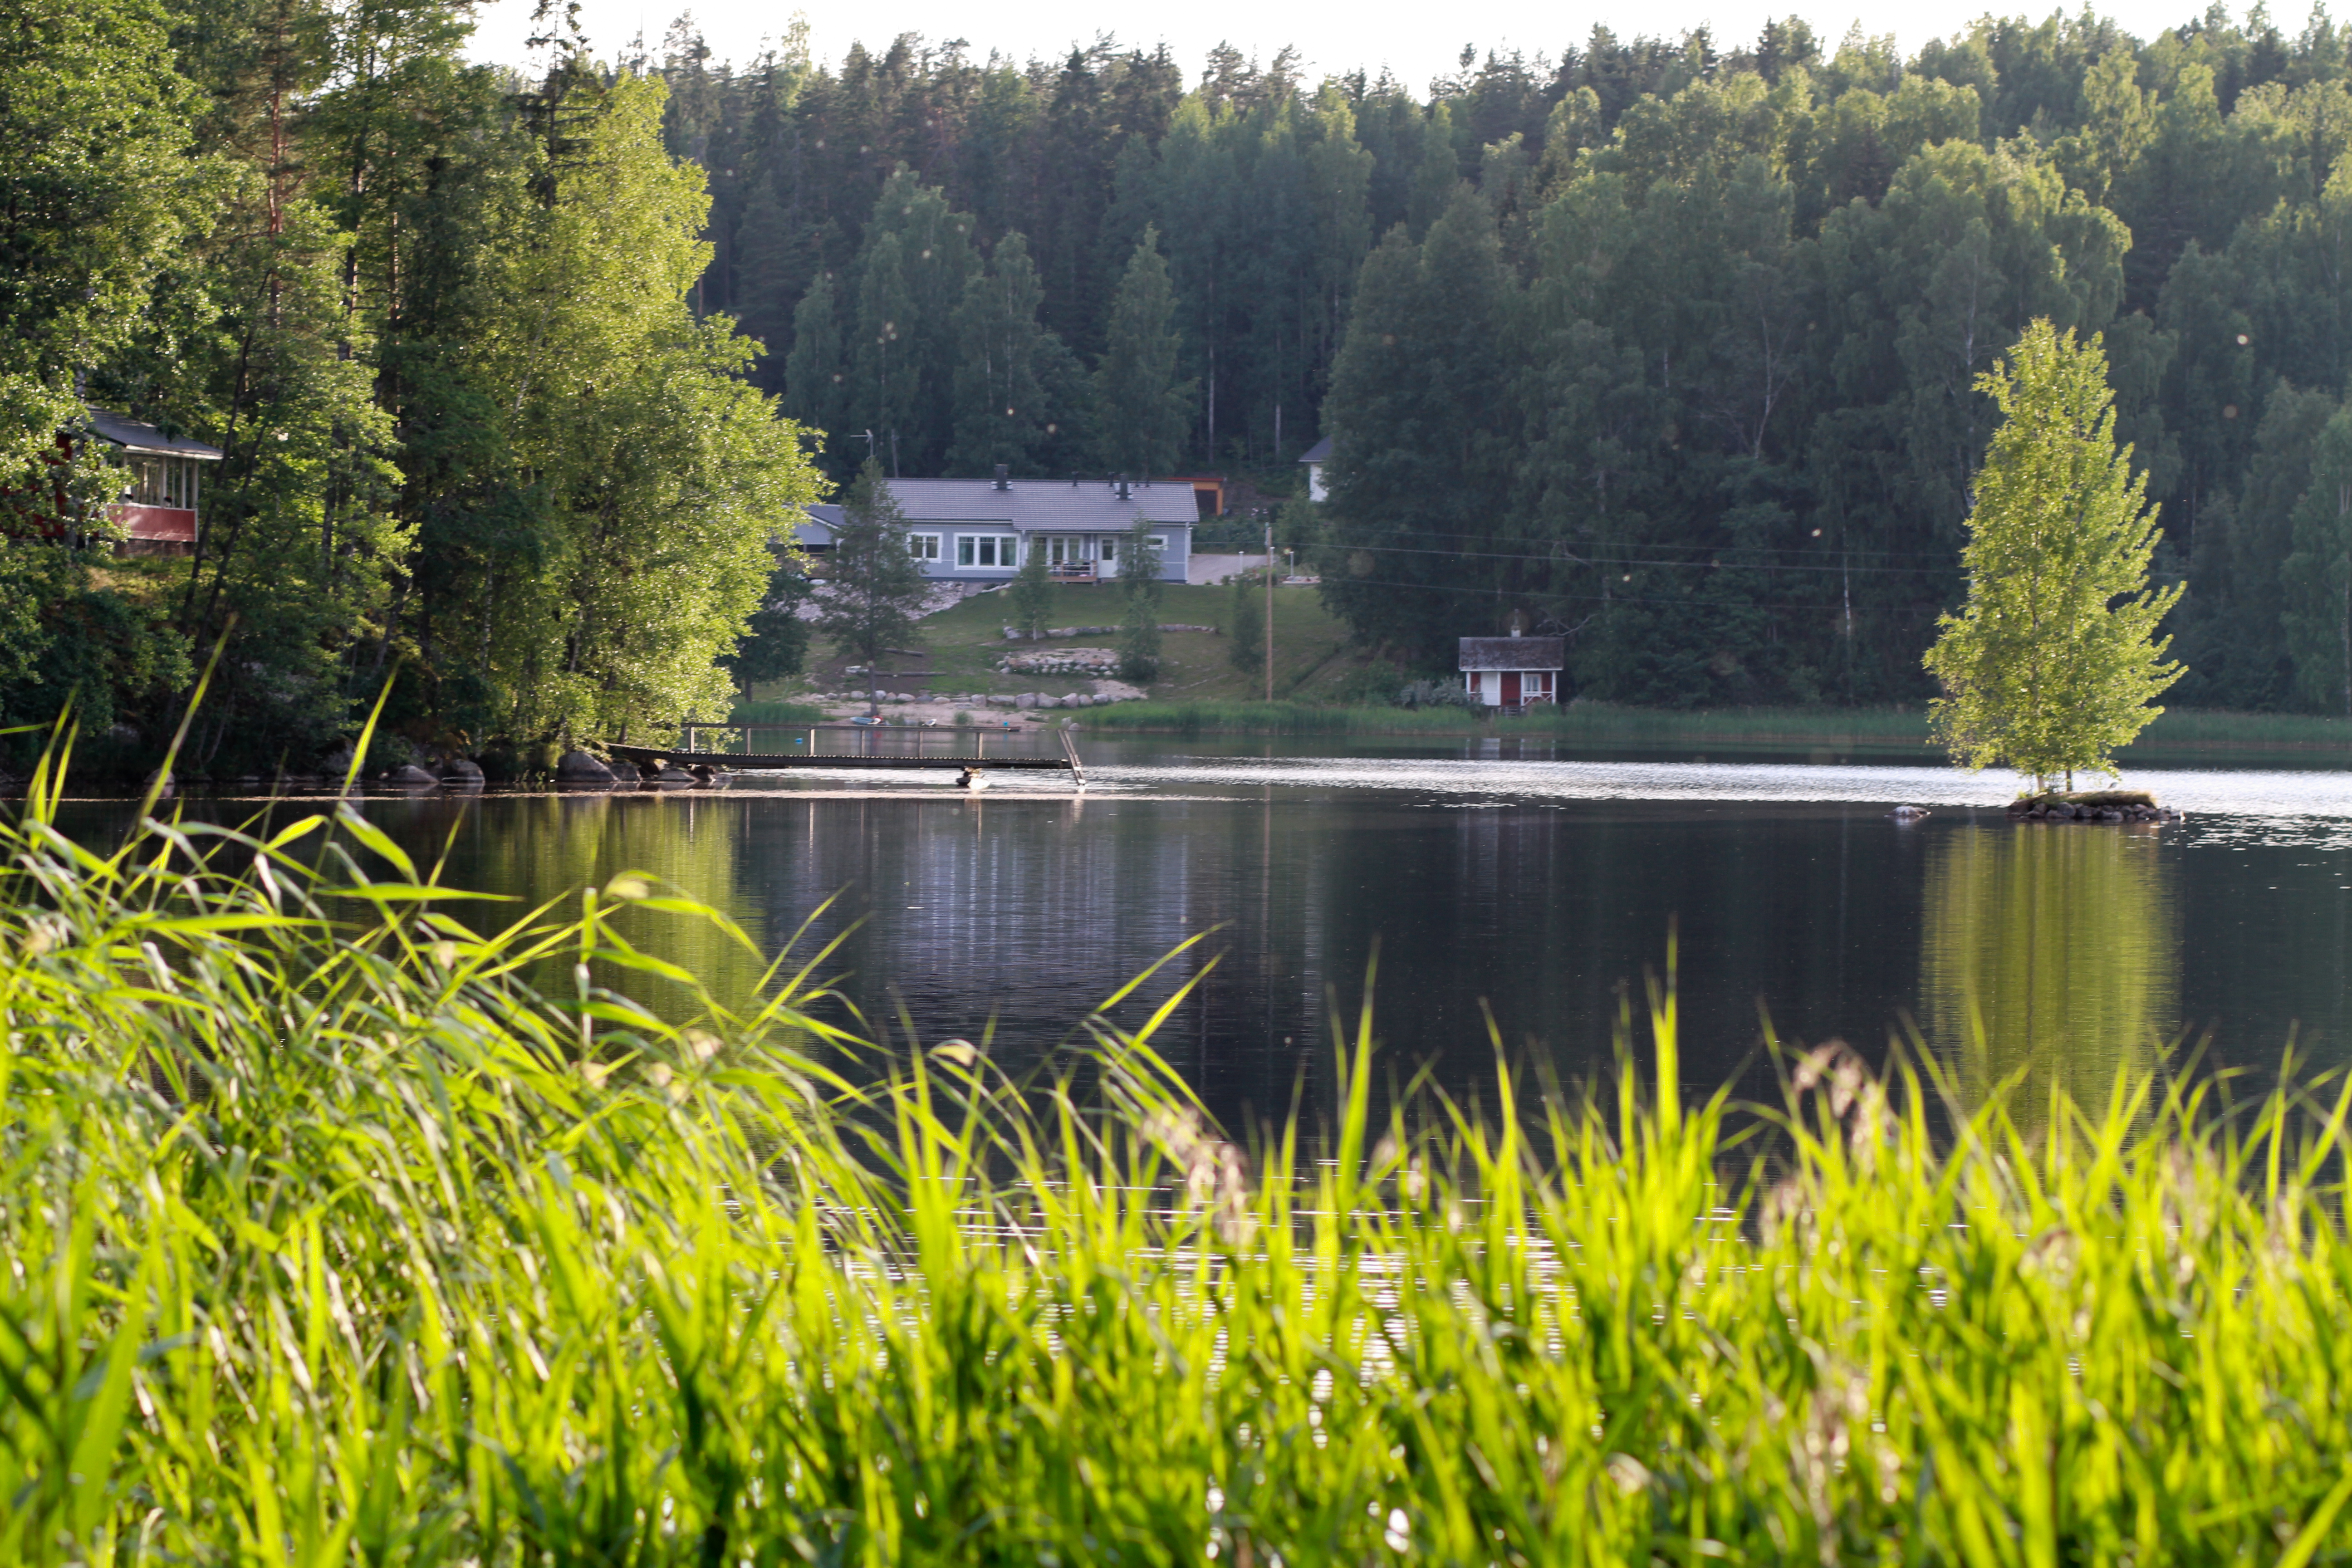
{"x":868,"y":755}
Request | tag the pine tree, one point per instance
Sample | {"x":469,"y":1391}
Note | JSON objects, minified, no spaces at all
{"x":1142,"y":408}
{"x":876,"y":588}
{"x":2056,"y":662}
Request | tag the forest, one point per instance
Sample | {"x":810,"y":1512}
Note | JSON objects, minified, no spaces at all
{"x":1667,"y":345}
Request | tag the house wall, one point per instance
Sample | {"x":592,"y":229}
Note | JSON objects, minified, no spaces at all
{"x":1535,"y":686}
{"x":945,"y":546}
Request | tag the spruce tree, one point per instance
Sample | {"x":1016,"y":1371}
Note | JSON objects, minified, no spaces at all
{"x":817,"y":389}
{"x":887,"y":391}
{"x":2056,"y":662}
{"x":999,"y":407}
{"x":1142,"y":408}
{"x":875,"y":589}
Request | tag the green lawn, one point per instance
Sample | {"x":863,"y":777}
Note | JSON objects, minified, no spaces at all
{"x":961,"y":645}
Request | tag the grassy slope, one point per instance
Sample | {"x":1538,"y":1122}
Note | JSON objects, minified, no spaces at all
{"x":961,"y":645}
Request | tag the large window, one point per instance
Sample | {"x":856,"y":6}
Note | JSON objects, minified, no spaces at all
{"x":988,"y":549}
{"x":923,"y":546}
{"x":163,"y":481}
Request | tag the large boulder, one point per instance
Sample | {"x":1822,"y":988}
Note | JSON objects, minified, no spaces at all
{"x":408,"y":776}
{"x":462,"y":773}
{"x":1026,"y":700}
{"x":580,"y":768}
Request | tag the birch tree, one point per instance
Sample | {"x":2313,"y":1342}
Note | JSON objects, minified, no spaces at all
{"x":2055,"y":661}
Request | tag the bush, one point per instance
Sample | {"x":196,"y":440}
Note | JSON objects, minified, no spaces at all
{"x":1434,"y":694}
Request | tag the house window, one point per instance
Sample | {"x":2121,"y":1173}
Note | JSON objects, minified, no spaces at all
{"x":988,"y":549}
{"x":1110,"y":547}
{"x":923,"y":546}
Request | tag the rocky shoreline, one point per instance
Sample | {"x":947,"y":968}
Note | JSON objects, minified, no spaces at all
{"x":2092,"y":806}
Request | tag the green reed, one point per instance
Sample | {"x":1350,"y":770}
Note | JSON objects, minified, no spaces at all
{"x":331,"y":1240}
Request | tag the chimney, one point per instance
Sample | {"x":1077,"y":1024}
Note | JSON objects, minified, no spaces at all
{"x":1122,"y":487}
{"x":1003,"y":478}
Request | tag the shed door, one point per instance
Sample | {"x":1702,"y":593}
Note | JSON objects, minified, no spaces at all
{"x":1510,"y":688}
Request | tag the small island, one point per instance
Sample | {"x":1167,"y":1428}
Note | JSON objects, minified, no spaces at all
{"x":2091,"y":805}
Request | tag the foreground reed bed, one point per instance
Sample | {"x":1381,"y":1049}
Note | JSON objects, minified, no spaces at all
{"x":331,"y":1240}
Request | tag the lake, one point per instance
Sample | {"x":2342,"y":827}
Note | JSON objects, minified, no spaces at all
{"x":1526,"y":892}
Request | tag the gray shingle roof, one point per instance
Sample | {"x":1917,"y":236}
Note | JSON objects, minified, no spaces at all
{"x":1514,"y":653}
{"x":135,"y":436}
{"x":1319,"y":453}
{"x":1089,"y":506}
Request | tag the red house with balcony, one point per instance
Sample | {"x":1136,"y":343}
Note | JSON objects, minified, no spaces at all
{"x":160,"y":505}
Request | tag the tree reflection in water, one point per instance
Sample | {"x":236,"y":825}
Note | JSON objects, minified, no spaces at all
{"x":2054,"y":949}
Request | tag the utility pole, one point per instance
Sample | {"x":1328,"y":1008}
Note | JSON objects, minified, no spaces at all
{"x":1269,"y":607}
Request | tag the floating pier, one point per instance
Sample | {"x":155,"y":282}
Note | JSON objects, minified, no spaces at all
{"x":972,"y":765}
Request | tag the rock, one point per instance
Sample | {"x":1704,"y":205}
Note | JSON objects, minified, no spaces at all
{"x":1026,"y":700}
{"x":673,"y":778}
{"x":408,"y":776}
{"x":463,"y":772}
{"x":1909,"y":813}
{"x":580,"y":767}
{"x":123,"y":734}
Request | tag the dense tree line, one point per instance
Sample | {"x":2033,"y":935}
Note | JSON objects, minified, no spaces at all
{"x":1671,"y":347}
{"x":439,"y":320}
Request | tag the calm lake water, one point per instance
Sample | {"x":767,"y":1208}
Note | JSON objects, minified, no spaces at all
{"x":1531,"y":891}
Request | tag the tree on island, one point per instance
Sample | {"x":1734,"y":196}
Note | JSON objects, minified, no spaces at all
{"x":876,"y":588}
{"x":2055,"y":661}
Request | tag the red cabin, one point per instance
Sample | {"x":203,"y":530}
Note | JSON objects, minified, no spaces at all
{"x":1513,"y":671}
{"x":159,"y":504}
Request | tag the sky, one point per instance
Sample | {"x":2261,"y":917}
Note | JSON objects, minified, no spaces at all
{"x":1333,"y":35}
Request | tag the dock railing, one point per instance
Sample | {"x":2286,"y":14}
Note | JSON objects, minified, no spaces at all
{"x":942,"y":741}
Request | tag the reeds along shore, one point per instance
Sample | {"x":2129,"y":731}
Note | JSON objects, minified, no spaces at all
{"x":331,"y":1240}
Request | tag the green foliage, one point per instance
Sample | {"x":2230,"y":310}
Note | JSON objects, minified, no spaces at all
{"x":96,"y":196}
{"x":1246,"y":624}
{"x":874,"y":586}
{"x":1139,"y":585}
{"x":2056,"y":662}
{"x":1142,"y":405}
{"x":1031,"y":596}
{"x":2317,"y":573}
{"x":656,"y":1278}
{"x":777,"y":642}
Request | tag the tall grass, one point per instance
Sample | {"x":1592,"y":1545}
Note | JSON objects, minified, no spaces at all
{"x":331,"y":1240}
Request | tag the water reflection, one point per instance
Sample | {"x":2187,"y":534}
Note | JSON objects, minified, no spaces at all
{"x":2051,"y":951}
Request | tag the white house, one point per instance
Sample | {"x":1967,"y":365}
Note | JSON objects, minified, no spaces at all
{"x":1513,"y":671}
{"x":1312,"y":459}
{"x":980,"y":530}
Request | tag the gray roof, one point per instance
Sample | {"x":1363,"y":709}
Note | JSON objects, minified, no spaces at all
{"x":1319,"y":453}
{"x":1089,"y":506}
{"x":1514,"y":653}
{"x":821,"y":522}
{"x":133,"y":435}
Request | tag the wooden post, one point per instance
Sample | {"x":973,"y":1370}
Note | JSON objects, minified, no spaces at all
{"x":1269,"y":607}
